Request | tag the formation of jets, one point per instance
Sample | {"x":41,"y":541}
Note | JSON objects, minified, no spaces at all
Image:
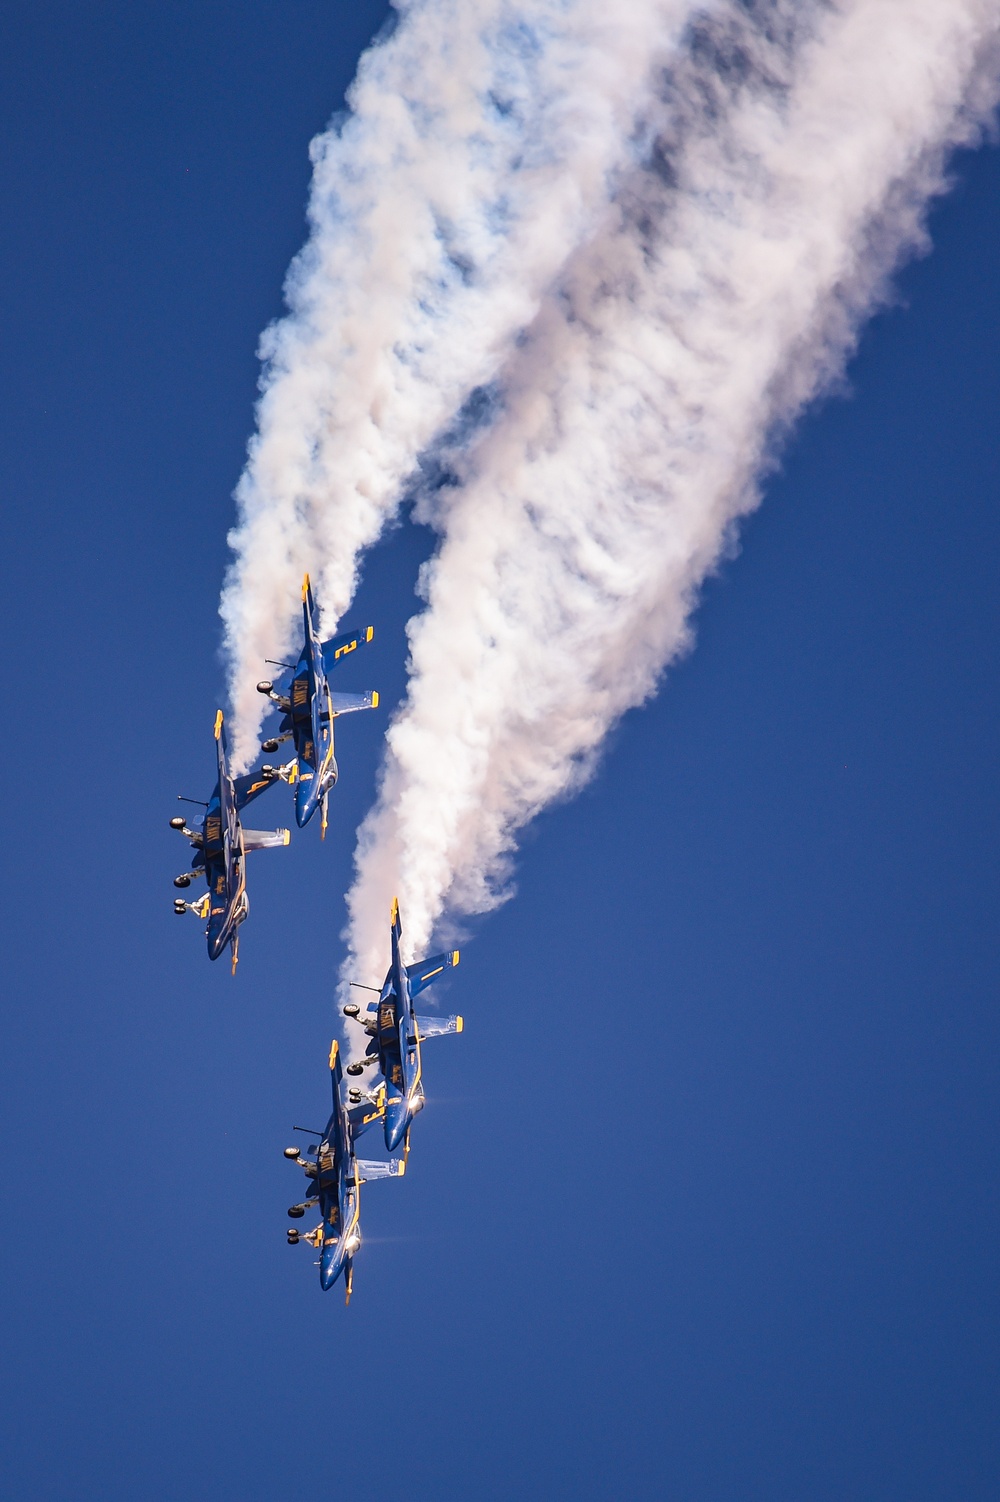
{"x":392,"y":1092}
{"x":334,"y":1170}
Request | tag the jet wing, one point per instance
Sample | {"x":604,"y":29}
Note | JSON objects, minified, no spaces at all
{"x":365,"y":1115}
{"x":339,"y":647}
{"x":249,"y":787}
{"x":348,"y":703}
{"x":438,"y":1027}
{"x":422,"y":975}
{"x":265,"y":839}
{"x":369,"y":1169}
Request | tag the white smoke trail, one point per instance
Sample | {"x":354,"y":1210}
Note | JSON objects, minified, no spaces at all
{"x":479,"y":150}
{"x":789,"y":162}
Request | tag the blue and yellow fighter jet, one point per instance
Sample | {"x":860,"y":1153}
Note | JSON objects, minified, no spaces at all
{"x":396,"y":1034}
{"x":336,"y":1177}
{"x":220,"y":846}
{"x":310,"y":708}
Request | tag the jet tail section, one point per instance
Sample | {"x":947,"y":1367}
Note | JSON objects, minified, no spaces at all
{"x":228,"y":811}
{"x":308,"y":608}
{"x":422,"y":975}
{"x":439,"y":1027}
{"x":396,"y":933}
{"x":221,"y":748}
{"x":337,"y":1071}
{"x":265,"y":839}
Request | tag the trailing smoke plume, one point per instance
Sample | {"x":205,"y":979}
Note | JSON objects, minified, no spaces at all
{"x":653,"y":230}
{"x":782,"y":170}
{"x":482,"y":145}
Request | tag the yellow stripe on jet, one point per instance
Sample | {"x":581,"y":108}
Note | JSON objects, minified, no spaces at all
{"x":305,"y":587}
{"x":218,"y":723}
{"x":334,"y":1050}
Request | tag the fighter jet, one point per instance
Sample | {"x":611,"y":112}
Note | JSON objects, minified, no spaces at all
{"x":396,"y":1034}
{"x":309,"y":709}
{"x":220,"y":845}
{"x":336,"y":1177}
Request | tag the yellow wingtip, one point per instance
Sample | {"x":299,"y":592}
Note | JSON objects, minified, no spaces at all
{"x":455,"y":956}
{"x":401,"y":1169}
{"x":369,"y":632}
{"x":288,"y":836}
{"x":375,"y":698}
{"x":394,"y":915}
{"x":334,"y":1050}
{"x":305,"y":587}
{"x":218,"y":723}
{"x":460,"y":1024}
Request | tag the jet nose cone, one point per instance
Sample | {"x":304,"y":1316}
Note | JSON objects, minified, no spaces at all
{"x":216,"y":944}
{"x":396,"y":1121}
{"x":330,"y":1264}
{"x":306,"y":799}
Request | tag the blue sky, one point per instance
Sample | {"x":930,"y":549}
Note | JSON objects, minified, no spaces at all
{"x":704,"y":1202}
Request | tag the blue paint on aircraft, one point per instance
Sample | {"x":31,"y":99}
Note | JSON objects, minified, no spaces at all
{"x":396,"y":1034}
{"x":220,"y":846}
{"x":335,"y":1178}
{"x":309,"y":708}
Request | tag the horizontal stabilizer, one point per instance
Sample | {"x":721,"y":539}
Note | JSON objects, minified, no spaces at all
{"x":339,"y":647}
{"x":369,"y":1170}
{"x":420,"y":976}
{"x":438,"y":1027}
{"x":265,"y":839}
{"x":348,"y":703}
